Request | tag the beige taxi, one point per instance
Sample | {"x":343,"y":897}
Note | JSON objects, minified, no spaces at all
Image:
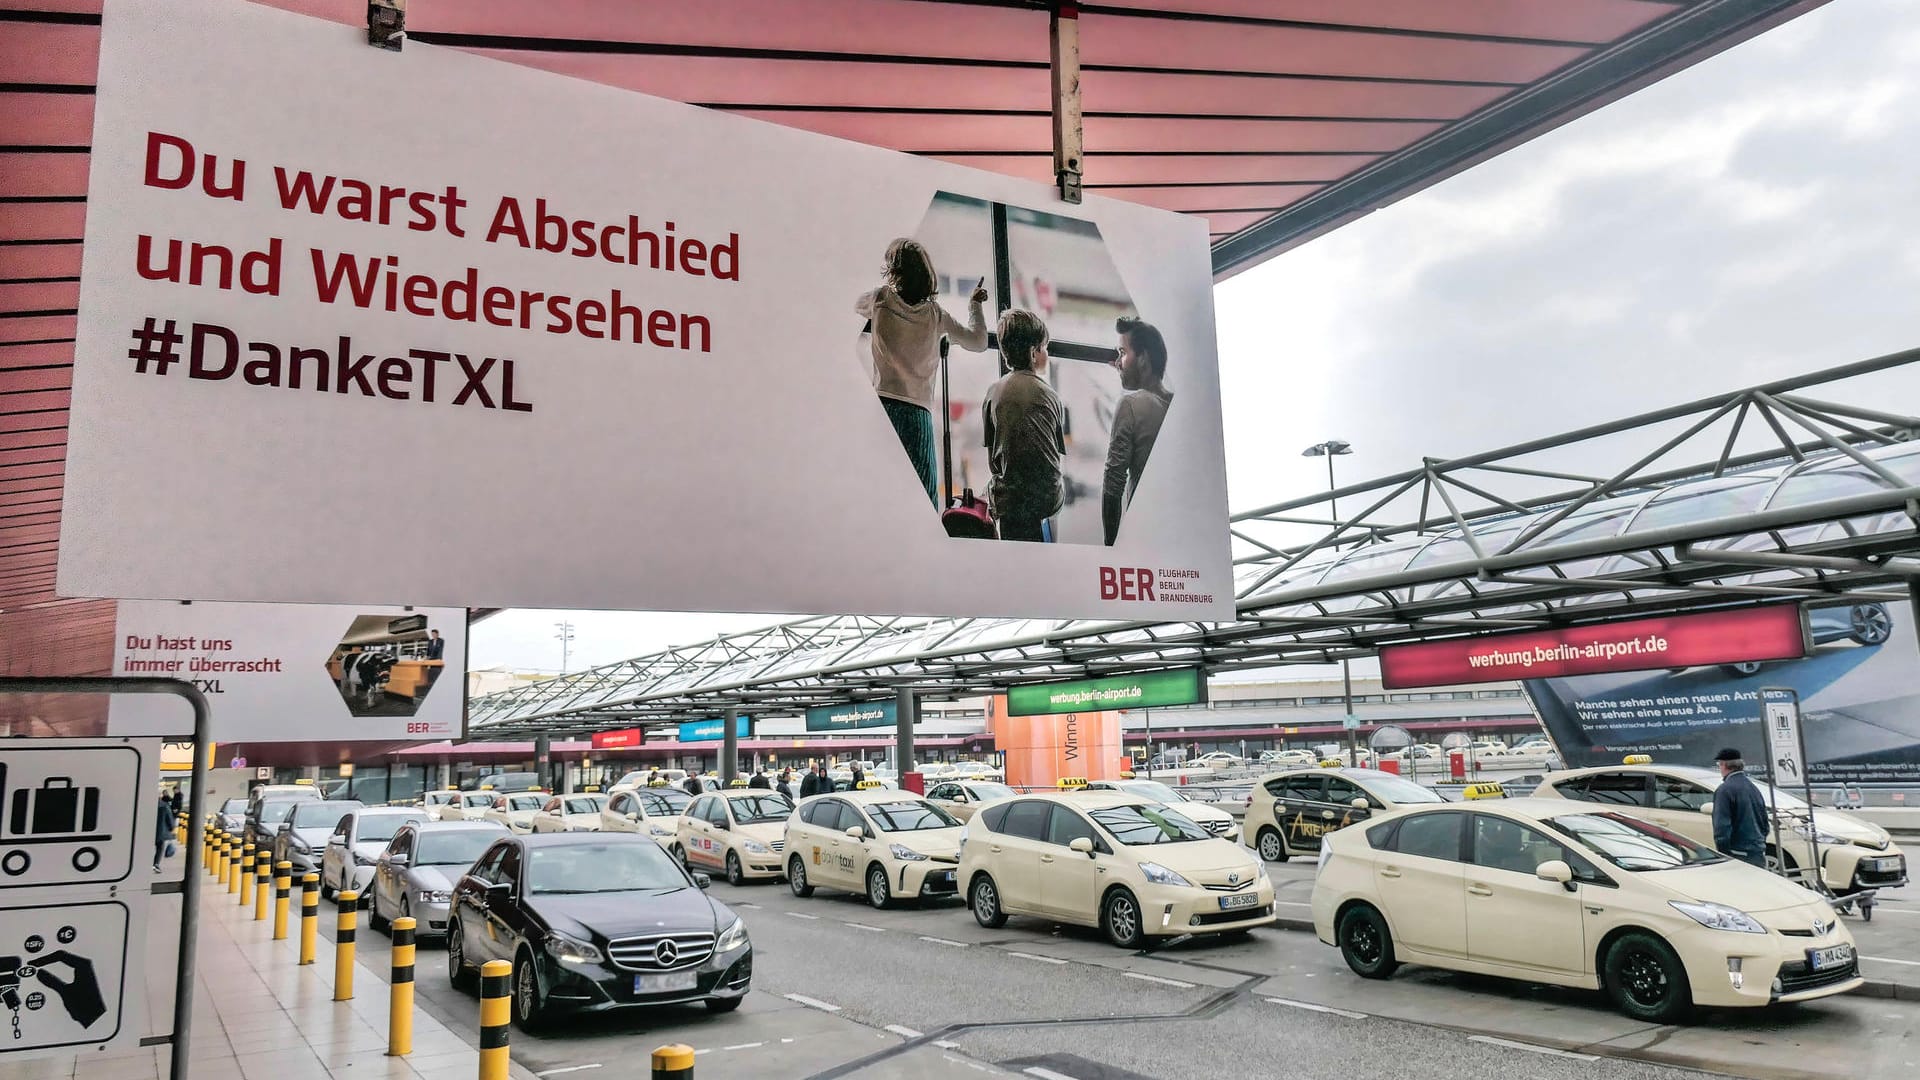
{"x":472,"y":806}
{"x":1855,"y":856}
{"x":1572,"y":894}
{"x":741,"y":831}
{"x":961,"y":798}
{"x":515,"y":809}
{"x":886,"y":843}
{"x":569,"y":813}
{"x":654,"y":811}
{"x":1289,"y":813}
{"x":1136,"y":870}
{"x":441,"y":805}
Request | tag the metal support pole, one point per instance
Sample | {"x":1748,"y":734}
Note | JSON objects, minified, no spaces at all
{"x":907,"y":713}
{"x":309,"y":918}
{"x":348,"y":919}
{"x":1068,"y":160}
{"x":496,"y":1013}
{"x":400,"y":990}
{"x":543,"y":760}
{"x":729,"y":747}
{"x":282,"y":897}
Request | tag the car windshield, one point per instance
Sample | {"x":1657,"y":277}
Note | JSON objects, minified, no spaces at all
{"x":273,"y":813}
{"x":597,"y":868}
{"x":309,"y":815}
{"x":234,"y":806}
{"x":436,"y":798}
{"x":525,"y":802}
{"x":1148,"y":825}
{"x":1711,"y":779}
{"x":1398,"y":791}
{"x":456,"y":847}
{"x":989,"y":792}
{"x":1632,"y":844}
{"x":476,"y":800}
{"x":910,"y":816}
{"x":1152,"y":789}
{"x":677,"y":799}
{"x":758,"y":809}
{"x":589,"y":805}
{"x":382,"y":826}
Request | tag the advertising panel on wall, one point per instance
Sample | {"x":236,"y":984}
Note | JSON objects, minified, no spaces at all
{"x":1038,"y":751}
{"x":1142,"y":690}
{"x":860,"y":714}
{"x":1859,"y":703}
{"x":409,"y":357}
{"x":714,"y":730}
{"x":295,"y":672}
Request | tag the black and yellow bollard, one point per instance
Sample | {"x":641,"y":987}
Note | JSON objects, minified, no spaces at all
{"x":263,"y":885}
{"x":400,"y":990}
{"x":343,"y":945}
{"x":496,"y":1011}
{"x":282,"y":897}
{"x":210,"y":850}
{"x":673,"y":1062}
{"x":309,"y":917}
{"x":228,"y":859}
{"x":247,"y":855}
{"x":180,"y":828}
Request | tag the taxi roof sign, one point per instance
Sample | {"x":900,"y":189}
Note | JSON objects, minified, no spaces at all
{"x":1068,"y":782}
{"x":656,"y":782}
{"x":1329,"y":763}
{"x":737,"y":781}
{"x":868,"y":785}
{"x":1483,"y":791}
{"x":1637,"y":759}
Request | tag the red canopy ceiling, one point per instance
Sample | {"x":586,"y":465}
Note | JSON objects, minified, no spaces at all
{"x":1275,"y":120}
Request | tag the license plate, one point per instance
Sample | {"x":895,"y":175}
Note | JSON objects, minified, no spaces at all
{"x":663,"y":983}
{"x":1251,"y":899}
{"x":946,"y":876}
{"x":1832,"y":956}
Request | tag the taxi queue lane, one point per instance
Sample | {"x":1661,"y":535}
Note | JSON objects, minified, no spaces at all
{"x":841,"y":989}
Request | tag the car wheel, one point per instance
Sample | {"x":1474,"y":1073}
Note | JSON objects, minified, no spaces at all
{"x":1120,"y":918}
{"x":680,"y":855}
{"x":375,"y":921}
{"x":1272,"y":848}
{"x":736,"y":874}
{"x":458,"y":973}
{"x":1871,"y":624}
{"x":406,"y":912}
{"x":1774,"y":859}
{"x":1366,"y":943}
{"x":878,"y":894}
{"x":984,"y":898}
{"x":1743,"y":669}
{"x":797,"y":881}
{"x":527,"y":1004}
{"x":326,"y":890}
{"x":1646,"y":979}
{"x":724,"y":1005}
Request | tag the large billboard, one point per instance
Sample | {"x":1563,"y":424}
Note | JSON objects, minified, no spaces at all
{"x":1859,"y":699}
{"x":1141,"y":690}
{"x":295,"y":672}
{"x":859,"y":714}
{"x":509,"y":338}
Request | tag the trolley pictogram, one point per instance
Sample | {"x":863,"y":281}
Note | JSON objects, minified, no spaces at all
{"x":58,"y":817}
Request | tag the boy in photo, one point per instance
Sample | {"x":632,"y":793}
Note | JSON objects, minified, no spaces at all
{"x":1026,"y":432}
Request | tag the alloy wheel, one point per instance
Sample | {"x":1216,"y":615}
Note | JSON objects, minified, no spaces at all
{"x":1363,"y":938}
{"x":1123,"y":917}
{"x":877,"y":892}
{"x":1644,"y":978}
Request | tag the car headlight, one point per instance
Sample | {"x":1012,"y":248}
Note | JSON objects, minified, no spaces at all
{"x":733,"y":937}
{"x":1807,"y":831}
{"x":901,"y":851}
{"x":433,"y":896}
{"x":755,"y":847}
{"x":660,"y":830}
{"x":300,"y":846}
{"x":1160,"y":875}
{"x":1719,"y":917}
{"x":571,"y":949}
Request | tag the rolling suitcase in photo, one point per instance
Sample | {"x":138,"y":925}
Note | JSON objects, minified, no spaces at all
{"x":966,"y":516}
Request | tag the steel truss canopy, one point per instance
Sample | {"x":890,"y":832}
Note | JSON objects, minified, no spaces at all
{"x":1772,"y":493}
{"x":1272,"y":120}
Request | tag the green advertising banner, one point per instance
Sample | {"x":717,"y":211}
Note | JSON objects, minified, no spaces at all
{"x":861,"y":715}
{"x":1143,"y":691}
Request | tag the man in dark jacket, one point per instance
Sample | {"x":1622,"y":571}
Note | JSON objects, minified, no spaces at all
{"x":759,"y":780}
{"x":693,"y":785}
{"x":785,"y":786}
{"x":810,"y":784}
{"x":1739,"y":813}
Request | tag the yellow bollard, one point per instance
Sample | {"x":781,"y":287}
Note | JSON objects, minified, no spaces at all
{"x":263,"y":885}
{"x":309,"y":918}
{"x":673,"y":1062}
{"x":282,"y":891}
{"x":229,"y":851}
{"x":245,"y":874}
{"x":400,"y":994}
{"x":180,"y":828}
{"x":210,"y":850}
{"x":496,"y":1011}
{"x":343,"y":945}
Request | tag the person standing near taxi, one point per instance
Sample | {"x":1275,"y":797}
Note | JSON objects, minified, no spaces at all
{"x":1739,"y":813}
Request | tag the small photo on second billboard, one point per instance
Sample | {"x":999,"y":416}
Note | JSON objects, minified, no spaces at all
{"x":385,"y":665}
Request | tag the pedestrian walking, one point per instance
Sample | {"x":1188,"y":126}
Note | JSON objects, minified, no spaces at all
{"x":1739,"y":812}
{"x":163,"y":830}
{"x":785,"y":786}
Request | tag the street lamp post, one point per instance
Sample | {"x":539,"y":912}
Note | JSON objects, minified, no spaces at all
{"x":565,"y":637}
{"x":1331,"y":449}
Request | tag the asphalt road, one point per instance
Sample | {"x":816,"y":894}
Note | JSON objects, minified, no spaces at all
{"x":926,"y":993}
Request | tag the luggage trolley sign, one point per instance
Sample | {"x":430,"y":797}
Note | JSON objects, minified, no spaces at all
{"x":68,"y":813}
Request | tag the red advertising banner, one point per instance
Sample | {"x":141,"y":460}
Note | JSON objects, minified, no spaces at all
{"x":615,"y":740}
{"x":1774,"y":632}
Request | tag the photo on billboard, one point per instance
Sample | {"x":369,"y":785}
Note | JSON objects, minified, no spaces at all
{"x":384,"y":666}
{"x":1859,"y":701}
{"x":839,"y":367}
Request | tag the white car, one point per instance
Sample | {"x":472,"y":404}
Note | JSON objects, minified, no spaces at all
{"x":1211,"y":818}
{"x":515,"y":810}
{"x":1218,"y":759}
{"x":1575,"y":894}
{"x":441,"y":805}
{"x":961,"y":798}
{"x":348,"y":860}
{"x":569,"y":813}
{"x":473,"y":806}
{"x":1285,"y":758}
{"x":741,"y":831}
{"x":886,"y":844}
{"x":642,"y":778}
{"x":654,"y":811}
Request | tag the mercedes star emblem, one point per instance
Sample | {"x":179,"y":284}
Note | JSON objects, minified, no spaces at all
{"x":665,"y":953}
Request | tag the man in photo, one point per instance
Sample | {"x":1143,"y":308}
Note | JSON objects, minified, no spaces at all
{"x":1137,"y":420}
{"x":1025,"y":432}
{"x":436,"y":650}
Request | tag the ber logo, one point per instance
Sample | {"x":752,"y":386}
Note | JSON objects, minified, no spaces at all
{"x":1126,"y":583}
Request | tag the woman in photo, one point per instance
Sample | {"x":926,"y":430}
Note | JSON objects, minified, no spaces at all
{"x":907,"y":324}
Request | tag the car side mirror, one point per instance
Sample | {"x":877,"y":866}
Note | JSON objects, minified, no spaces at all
{"x":702,"y":880}
{"x":1327,"y":814}
{"x":1359,"y":804}
{"x":1555,"y":870}
{"x":396,"y":860}
{"x":633,"y":817}
{"x":1706,"y":808}
{"x":1082,"y":844}
{"x":856,"y":832}
{"x":500,"y":890}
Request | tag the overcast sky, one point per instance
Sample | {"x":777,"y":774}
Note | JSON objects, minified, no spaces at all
{"x":1750,"y":218}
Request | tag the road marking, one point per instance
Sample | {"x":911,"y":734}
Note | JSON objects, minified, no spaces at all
{"x":1032,"y":956}
{"x":1311,"y":1007}
{"x":568,"y":1069}
{"x":944,"y":941}
{"x":1046,"y":1074}
{"x":1531,"y":1048}
{"x":743,"y":1046}
{"x":904,"y":1032}
{"x":1891,"y":960}
{"x":947,"y":1044}
{"x":869,"y":929}
{"x":813,"y":1003}
{"x":802,"y":915}
{"x":1158,"y":979}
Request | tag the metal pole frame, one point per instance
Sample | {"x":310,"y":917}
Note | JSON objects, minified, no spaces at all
{"x":182,"y":1033}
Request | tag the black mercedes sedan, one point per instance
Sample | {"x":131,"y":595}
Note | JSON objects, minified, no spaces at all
{"x":595,"y":921}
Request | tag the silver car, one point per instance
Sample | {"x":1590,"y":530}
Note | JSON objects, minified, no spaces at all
{"x":357,"y":842}
{"x":415,"y":876}
{"x":303,"y":834}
